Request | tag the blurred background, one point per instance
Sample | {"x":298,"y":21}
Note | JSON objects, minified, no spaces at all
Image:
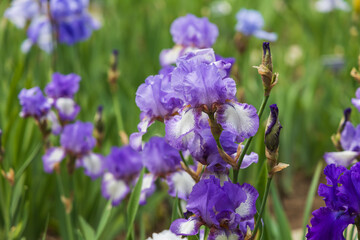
{"x":314,"y":54}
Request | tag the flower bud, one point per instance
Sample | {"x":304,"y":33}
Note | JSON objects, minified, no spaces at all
{"x":335,"y":138}
{"x":272,"y":136}
{"x":113,"y":73}
{"x":99,"y":126}
{"x":268,"y":78}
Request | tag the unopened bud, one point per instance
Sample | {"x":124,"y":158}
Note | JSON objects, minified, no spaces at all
{"x":335,"y":138}
{"x":9,"y":176}
{"x":268,"y":78}
{"x":272,"y":136}
{"x":99,"y":126}
{"x":113,"y":73}
{"x":241,"y":42}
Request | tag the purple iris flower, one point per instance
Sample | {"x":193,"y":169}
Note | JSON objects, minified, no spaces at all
{"x":350,"y":142}
{"x":33,"y":103}
{"x":341,"y":196}
{"x":123,"y":167}
{"x":189,"y":33}
{"x":250,"y":23}
{"x":203,"y":84}
{"x":193,"y":31}
{"x":224,"y":209}
{"x":63,"y":86}
{"x":159,"y":157}
{"x":68,"y":20}
{"x":331,"y":5}
{"x":157,"y":101}
{"x":77,"y":142}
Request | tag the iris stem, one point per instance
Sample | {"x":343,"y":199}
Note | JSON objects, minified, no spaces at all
{"x":67,"y":215}
{"x":183,"y":159}
{"x":263,"y":203}
{"x":357,"y":224}
{"x":247,"y":145}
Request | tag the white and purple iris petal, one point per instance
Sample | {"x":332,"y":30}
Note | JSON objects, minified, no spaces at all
{"x":136,"y":138}
{"x":22,"y":11}
{"x":343,"y":158}
{"x":179,"y":130}
{"x":40,"y":33}
{"x":247,"y":209}
{"x":67,"y":109}
{"x":180,"y":184}
{"x":186,"y":227}
{"x":169,"y":56}
{"x":249,"y":159}
{"x":330,"y":5}
{"x":114,"y":189}
{"x":52,"y":157}
{"x":356,"y":101}
{"x":54,"y":121}
{"x":93,"y":164}
{"x":240,"y":119}
{"x":250,"y":22}
{"x":147,"y":187}
{"x":219,"y":234}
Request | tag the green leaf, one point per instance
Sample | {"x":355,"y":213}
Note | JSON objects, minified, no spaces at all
{"x":46,"y":227}
{"x":104,"y":219}
{"x":16,"y":196}
{"x":27,"y":162}
{"x":87,"y":230}
{"x":283,"y":222}
{"x":133,"y":204}
{"x":174,"y":213}
{"x":311,"y":196}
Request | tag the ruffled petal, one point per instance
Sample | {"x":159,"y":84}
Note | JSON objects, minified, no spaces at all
{"x":185,"y":227}
{"x":347,"y":136}
{"x":240,"y":119}
{"x":165,"y":235}
{"x":114,"y":189}
{"x":52,"y":157}
{"x":247,"y":209}
{"x":344,"y":158}
{"x":328,"y":224}
{"x":180,"y":183}
{"x":179,"y":130}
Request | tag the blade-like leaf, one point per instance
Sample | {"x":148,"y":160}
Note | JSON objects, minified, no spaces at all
{"x":104,"y":219}
{"x":133,"y":204}
{"x":87,"y":230}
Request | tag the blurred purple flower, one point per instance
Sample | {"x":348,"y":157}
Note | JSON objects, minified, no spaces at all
{"x":331,"y":5}
{"x":341,"y":196}
{"x":33,"y":103}
{"x":189,"y":33}
{"x":21,"y":11}
{"x":221,"y":208}
{"x":356,"y":101}
{"x":77,"y":138}
{"x":63,"y":86}
{"x":250,"y":23}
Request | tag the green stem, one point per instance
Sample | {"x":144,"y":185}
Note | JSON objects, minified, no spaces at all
{"x":67,"y":215}
{"x":263,"y":203}
{"x":357,"y":224}
{"x":183,"y":159}
{"x":247,"y":145}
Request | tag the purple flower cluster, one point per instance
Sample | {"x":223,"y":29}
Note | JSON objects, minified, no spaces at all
{"x":60,"y":92}
{"x":77,"y":143}
{"x":68,"y":20}
{"x":342,"y":197}
{"x":226,"y":209}
{"x":184,"y":97}
{"x":189,"y":33}
{"x":250,"y":23}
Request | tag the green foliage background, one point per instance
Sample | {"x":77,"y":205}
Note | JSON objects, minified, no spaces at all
{"x":310,"y":96}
